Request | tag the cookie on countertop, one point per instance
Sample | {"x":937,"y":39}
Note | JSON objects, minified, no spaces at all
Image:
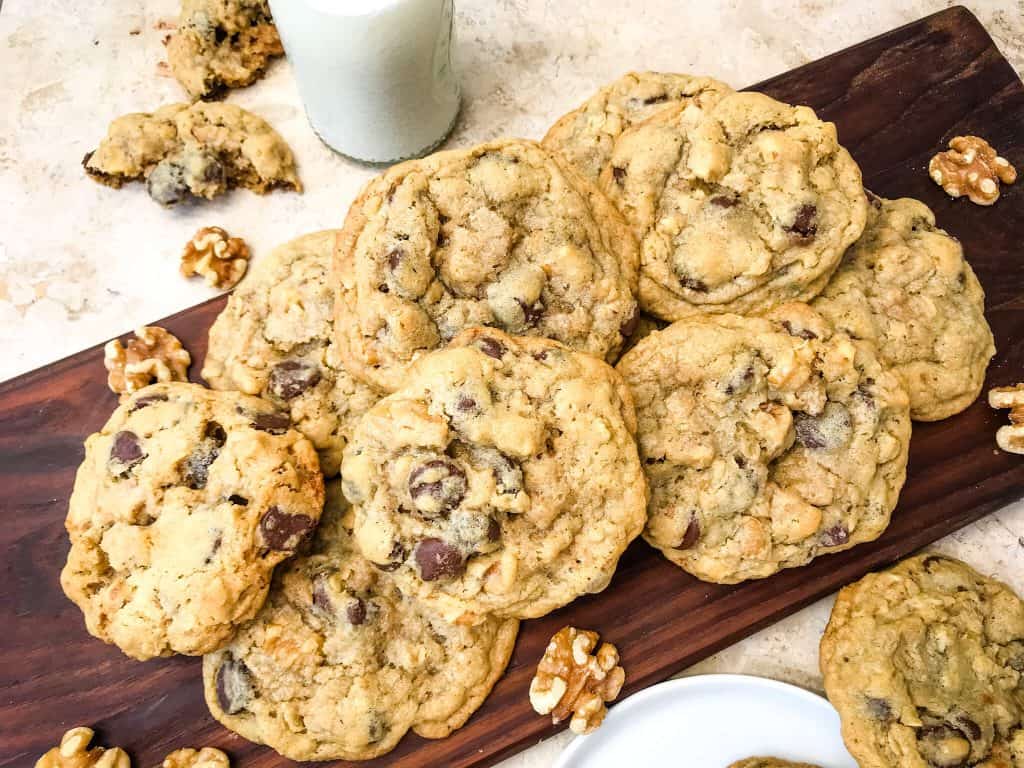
{"x":221,"y":44}
{"x":586,"y":135}
{"x":766,"y":441}
{"x":197,"y":151}
{"x":925,"y":664}
{"x":274,"y":339}
{"x":185,"y":502}
{"x":339,"y":665}
{"x":737,"y":208}
{"x":503,"y":234}
{"x":503,"y":478}
{"x":906,"y":287}
{"x":769,"y":762}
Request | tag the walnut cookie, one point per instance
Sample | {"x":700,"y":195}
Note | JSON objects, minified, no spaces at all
{"x":502,"y":479}
{"x":274,"y":339}
{"x":185,"y":502}
{"x":738,"y":208}
{"x":503,"y":235}
{"x":766,"y":441}
{"x":586,"y":135}
{"x":339,"y":665}
{"x":925,"y":664}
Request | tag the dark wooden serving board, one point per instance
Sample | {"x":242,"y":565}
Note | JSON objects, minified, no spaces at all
{"x":896,"y":99}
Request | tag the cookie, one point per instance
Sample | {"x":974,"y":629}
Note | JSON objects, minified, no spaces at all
{"x":221,"y":44}
{"x":197,"y":151}
{"x":339,"y":665}
{"x":766,"y":441}
{"x":274,"y":339}
{"x":502,"y":479}
{"x":906,"y":287}
{"x":737,"y":208}
{"x":185,"y":502}
{"x":925,"y":664}
{"x":501,"y":235}
{"x":586,"y":135}
{"x":769,"y":762}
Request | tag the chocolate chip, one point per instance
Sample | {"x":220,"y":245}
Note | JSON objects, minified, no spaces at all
{"x":284,"y":532}
{"x":321,"y":597}
{"x":827,"y":431}
{"x":383,"y":288}
{"x":801,"y":333}
{"x":540,"y":356}
{"x":274,"y":423}
{"x":618,"y":174}
{"x":835,"y":536}
{"x":394,"y":258}
{"x":493,"y":530}
{"x":740,"y":381}
{"x":931,"y":560}
{"x":533,"y":313}
{"x":629,"y":327}
{"x":805,"y":226}
{"x":356,"y":612}
{"x":214,"y":548}
{"x":438,"y":559}
{"x":237,"y":500}
{"x":655,"y":99}
{"x":491,"y":347}
{"x":880,"y":709}
{"x":692,"y":534}
{"x":466,"y":404}
{"x":197,"y":465}
{"x":694,"y":285}
{"x":437,"y":487}
{"x":723,"y":201}
{"x":292,"y":377}
{"x":145,"y":401}
{"x":234,"y":686}
{"x":126,"y":449}
{"x":654,"y":460}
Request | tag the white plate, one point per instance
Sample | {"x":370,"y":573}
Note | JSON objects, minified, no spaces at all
{"x":709,"y":721}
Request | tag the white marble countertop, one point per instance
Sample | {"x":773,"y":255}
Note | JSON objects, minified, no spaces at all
{"x":80,"y":263}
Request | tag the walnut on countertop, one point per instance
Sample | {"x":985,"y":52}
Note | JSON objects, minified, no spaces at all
{"x":74,"y":752}
{"x":207,"y":757}
{"x":572,"y":680}
{"x":219,"y":258}
{"x":1011,"y":437}
{"x":971,"y":167}
{"x":153,"y":355}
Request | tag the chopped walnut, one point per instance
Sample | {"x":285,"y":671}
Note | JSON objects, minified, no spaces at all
{"x":971,"y":167}
{"x":74,"y":752}
{"x":207,"y":757}
{"x":154,"y":355}
{"x":221,"y":259}
{"x":1011,"y":437}
{"x":570,"y":680}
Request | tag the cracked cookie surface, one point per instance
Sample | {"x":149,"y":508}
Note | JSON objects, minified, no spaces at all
{"x":906,"y":287}
{"x":766,"y":441}
{"x":501,"y":235}
{"x":503,"y":478}
{"x":185,"y":502}
{"x":586,"y":135}
{"x":737,"y":208}
{"x":925,"y":664}
{"x":275,"y":340}
{"x":339,"y":665}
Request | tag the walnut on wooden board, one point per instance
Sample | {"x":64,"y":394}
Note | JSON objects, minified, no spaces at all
{"x":207,"y":757}
{"x":1011,"y":437}
{"x":971,"y":167}
{"x":573,"y":680}
{"x":74,"y":752}
{"x":153,"y":355}
{"x":219,"y":258}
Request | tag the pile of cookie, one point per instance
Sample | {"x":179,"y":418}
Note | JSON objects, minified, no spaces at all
{"x":413,"y":436}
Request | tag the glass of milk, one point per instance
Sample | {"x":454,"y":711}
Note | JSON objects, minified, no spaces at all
{"x":376,"y":76}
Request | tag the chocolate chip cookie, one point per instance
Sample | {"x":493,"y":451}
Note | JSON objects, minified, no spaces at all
{"x":339,"y":665}
{"x":221,"y":44}
{"x":274,"y":339}
{"x":769,"y":762}
{"x":502,"y":235}
{"x":185,"y":502}
{"x":925,"y":663}
{"x":906,"y":287}
{"x":200,"y":151}
{"x":586,"y":135}
{"x":766,"y":441}
{"x":738,"y":208}
{"x":502,"y":479}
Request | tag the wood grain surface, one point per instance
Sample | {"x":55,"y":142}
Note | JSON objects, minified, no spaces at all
{"x":896,"y":99}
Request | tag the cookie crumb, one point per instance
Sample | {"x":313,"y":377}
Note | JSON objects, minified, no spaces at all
{"x":214,"y":255}
{"x":74,"y":752}
{"x":971,"y":167}
{"x":153,"y":355}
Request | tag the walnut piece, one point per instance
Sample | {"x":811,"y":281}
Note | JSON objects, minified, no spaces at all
{"x":1011,"y":437}
{"x":154,"y":355}
{"x":207,"y":757}
{"x":571,"y":680}
{"x":74,"y":752}
{"x":221,"y":259}
{"x":971,"y":167}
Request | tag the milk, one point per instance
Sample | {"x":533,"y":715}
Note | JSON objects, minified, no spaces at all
{"x":376,"y":76}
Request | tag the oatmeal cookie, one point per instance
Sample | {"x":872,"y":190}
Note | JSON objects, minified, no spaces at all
{"x":274,"y":339}
{"x":503,"y":478}
{"x":769,"y":762}
{"x":906,"y":287}
{"x":766,"y":441}
{"x":586,"y":135}
{"x":339,"y":665}
{"x":737,"y":208}
{"x":925,"y":664}
{"x":185,"y":502}
{"x":499,"y":235}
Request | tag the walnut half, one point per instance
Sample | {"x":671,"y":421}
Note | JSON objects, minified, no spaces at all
{"x":572,"y":680}
{"x":153,"y":355}
{"x":221,"y":259}
{"x":74,"y":752}
{"x":1011,"y":437}
{"x":207,"y":757}
{"x":971,"y":167}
